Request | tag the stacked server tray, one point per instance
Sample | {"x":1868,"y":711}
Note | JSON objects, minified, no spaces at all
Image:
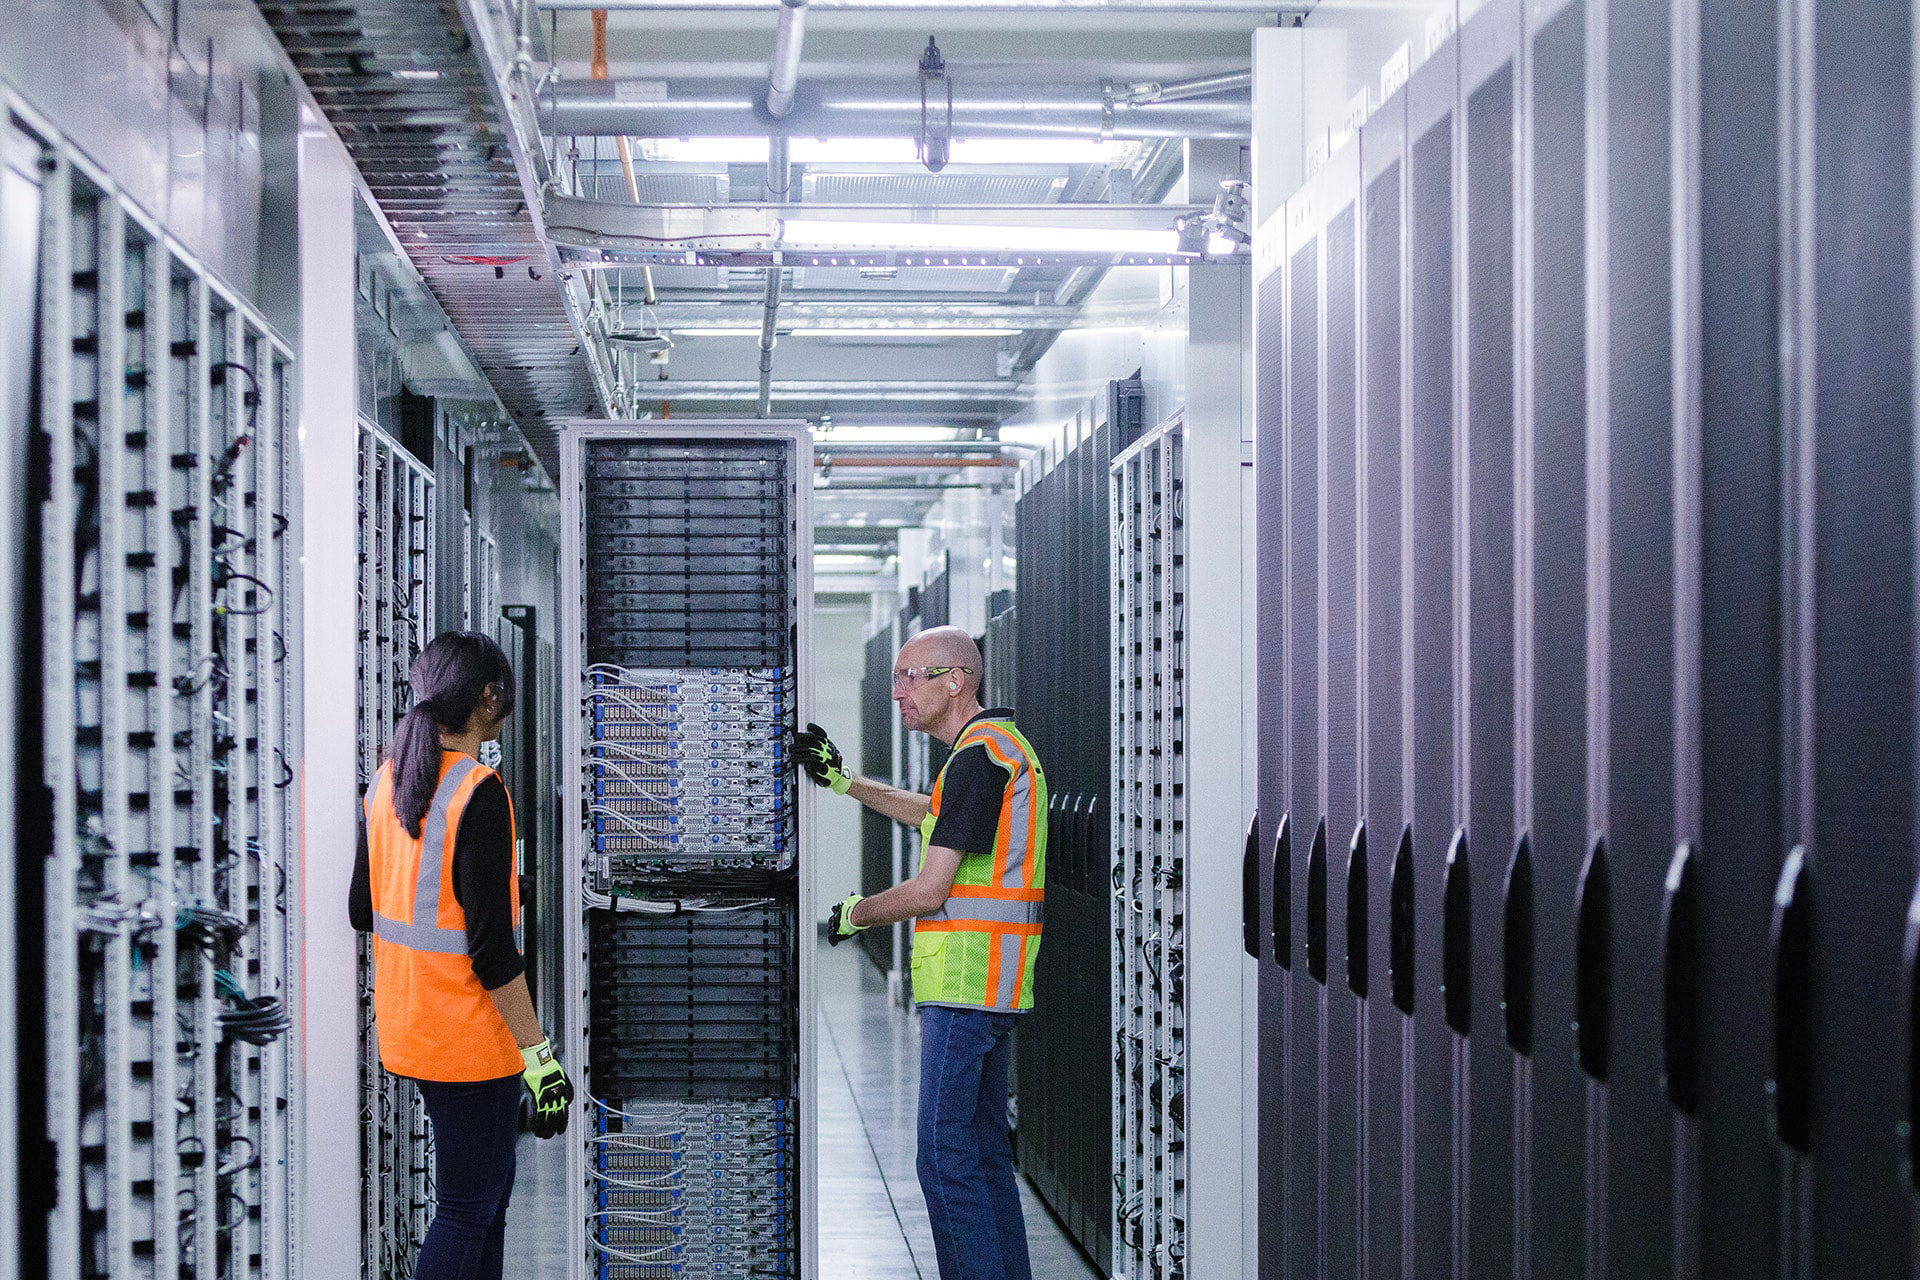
{"x":685,"y":578}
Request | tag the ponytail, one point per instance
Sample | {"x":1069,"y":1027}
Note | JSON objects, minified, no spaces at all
{"x":448,"y":679}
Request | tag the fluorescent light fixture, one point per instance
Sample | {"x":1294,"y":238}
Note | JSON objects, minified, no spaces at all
{"x":977,"y":151}
{"x":945,"y":237}
{"x":904,"y":333}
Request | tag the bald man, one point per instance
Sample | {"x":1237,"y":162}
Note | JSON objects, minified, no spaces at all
{"x":976,"y":906}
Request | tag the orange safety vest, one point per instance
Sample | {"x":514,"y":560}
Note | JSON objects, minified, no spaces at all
{"x":978,"y":950}
{"x":435,"y":1021}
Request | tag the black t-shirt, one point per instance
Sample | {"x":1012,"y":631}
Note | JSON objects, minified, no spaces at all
{"x":482,"y":868}
{"x":975,"y":785}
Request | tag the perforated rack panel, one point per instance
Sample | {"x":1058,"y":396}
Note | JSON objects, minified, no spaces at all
{"x":166,"y":532}
{"x":395,"y":618}
{"x":686,"y":578}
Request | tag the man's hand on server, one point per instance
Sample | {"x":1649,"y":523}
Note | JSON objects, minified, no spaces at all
{"x":821,"y":759}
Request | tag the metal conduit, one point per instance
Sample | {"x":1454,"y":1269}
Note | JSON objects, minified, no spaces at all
{"x":706,"y":110}
{"x":779,"y":180}
{"x":598,"y":71}
{"x":783,"y":71}
{"x":1185,"y":90}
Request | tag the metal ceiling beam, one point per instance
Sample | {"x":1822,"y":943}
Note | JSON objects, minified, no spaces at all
{"x":865,"y":317}
{"x":661,"y":109}
{"x":837,"y":390}
{"x":753,"y":231}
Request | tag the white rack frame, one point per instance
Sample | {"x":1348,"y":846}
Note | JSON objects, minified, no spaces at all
{"x":575,"y":434}
{"x":1150,"y":844}
{"x":395,"y":544}
{"x":170,"y":368}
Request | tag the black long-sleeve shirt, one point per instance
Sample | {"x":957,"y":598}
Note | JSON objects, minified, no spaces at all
{"x":482,"y":871}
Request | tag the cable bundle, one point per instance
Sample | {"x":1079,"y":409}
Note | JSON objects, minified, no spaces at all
{"x":257,"y":1020}
{"x":209,"y":928}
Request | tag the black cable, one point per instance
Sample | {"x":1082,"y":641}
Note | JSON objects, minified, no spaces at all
{"x":250,"y":397}
{"x":228,"y":575}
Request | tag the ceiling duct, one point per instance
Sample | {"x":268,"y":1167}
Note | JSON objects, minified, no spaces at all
{"x":663,"y":109}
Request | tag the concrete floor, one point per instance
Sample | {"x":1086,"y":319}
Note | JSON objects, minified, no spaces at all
{"x":873,"y":1223}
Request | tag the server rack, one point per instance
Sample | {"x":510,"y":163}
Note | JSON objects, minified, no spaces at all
{"x":1064,"y":1076}
{"x":166,"y":516}
{"x":880,"y":836}
{"x":1149,"y":833}
{"x":395,"y":605}
{"x":1650,"y":731}
{"x":686,"y":589}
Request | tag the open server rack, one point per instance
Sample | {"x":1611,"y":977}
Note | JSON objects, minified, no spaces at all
{"x":687,"y":594}
{"x":1150,"y":855}
{"x":165,"y":494}
{"x":395,"y":607}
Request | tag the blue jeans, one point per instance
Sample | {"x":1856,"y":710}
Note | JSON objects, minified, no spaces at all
{"x":474,"y":1129}
{"x":966,"y":1157}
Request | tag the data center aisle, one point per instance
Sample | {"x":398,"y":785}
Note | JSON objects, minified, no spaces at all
{"x":873,"y":1223}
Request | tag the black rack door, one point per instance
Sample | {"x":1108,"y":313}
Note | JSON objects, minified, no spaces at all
{"x":1857,"y":753}
{"x":1741,"y":832}
{"x":1269,"y":914}
{"x":1343,"y":1107}
{"x":1305,"y":1159}
{"x":1489,"y":49}
{"x":1555,"y":1173}
{"x":1640,"y":766}
{"x":1374,"y":928}
{"x":1432,"y":807}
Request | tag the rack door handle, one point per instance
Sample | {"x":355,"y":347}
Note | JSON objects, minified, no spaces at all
{"x":1357,"y":939}
{"x":1283,"y":892}
{"x":1077,"y":826}
{"x":1790,"y":1090}
{"x":1400,"y":909}
{"x":1516,"y":947}
{"x":1317,"y":905}
{"x":1680,"y":981}
{"x":1593,"y":964}
{"x":1910,"y":996}
{"x":1456,"y":938}
{"x":1250,"y":889}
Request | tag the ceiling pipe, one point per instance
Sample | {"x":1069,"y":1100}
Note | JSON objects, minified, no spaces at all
{"x":779,"y":180}
{"x":684,"y":109}
{"x":1184,"y":90}
{"x":599,"y":71}
{"x":783,"y":72}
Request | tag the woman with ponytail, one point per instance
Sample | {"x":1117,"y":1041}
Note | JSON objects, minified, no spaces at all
{"x":435,"y":884}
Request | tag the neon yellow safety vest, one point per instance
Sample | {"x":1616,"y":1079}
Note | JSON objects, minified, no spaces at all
{"x":978,"y":950}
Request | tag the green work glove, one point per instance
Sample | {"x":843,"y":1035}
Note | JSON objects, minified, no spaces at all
{"x":840,"y":925}
{"x":821,"y":759}
{"x":552,"y":1091}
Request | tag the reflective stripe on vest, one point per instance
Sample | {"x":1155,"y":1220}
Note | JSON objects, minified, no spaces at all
{"x":423,"y":932}
{"x":992,"y":918}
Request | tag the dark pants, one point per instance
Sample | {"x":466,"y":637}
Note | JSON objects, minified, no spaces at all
{"x":474,"y":1128}
{"x":966,"y":1157}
